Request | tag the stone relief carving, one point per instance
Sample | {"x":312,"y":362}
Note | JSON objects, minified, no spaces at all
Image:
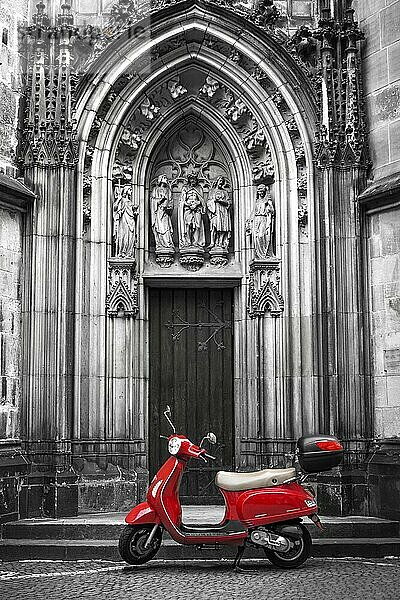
{"x":305,"y":45}
{"x":161,"y":207}
{"x":218,"y":206}
{"x":210,"y":86}
{"x":176,"y":88}
{"x":200,"y":226}
{"x":125,"y":213}
{"x":264,"y":292}
{"x":149,"y":110}
{"x":261,"y":223}
{"x":191,"y":211}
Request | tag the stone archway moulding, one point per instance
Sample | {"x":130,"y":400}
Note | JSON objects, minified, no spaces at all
{"x":292,"y":316}
{"x":252,"y":326}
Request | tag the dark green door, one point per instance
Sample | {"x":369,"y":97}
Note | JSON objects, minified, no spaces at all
{"x":191,"y":370}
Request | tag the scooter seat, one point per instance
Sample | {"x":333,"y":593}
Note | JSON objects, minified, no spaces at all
{"x":236,"y":482}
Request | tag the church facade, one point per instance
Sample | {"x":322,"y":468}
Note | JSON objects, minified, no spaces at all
{"x":199,"y":213}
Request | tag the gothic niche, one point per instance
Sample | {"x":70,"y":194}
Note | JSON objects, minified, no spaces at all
{"x":190,"y":202}
{"x":125,"y":213}
{"x":122,"y":298}
{"x":264,"y":276}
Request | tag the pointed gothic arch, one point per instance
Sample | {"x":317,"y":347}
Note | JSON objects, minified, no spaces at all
{"x":285,"y":119}
{"x":288,"y":328}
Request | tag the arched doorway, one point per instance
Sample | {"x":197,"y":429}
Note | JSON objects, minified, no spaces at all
{"x":278,"y":256}
{"x":195,"y":128}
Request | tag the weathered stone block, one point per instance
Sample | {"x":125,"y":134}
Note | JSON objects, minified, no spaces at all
{"x":394,"y":62}
{"x":391,"y":421}
{"x":380,"y":393}
{"x":384,"y":480}
{"x":390,"y":23}
{"x":394,"y":139}
{"x":32,"y":495}
{"x":105,"y":496}
{"x":61,"y":499}
{"x":329,"y":498}
{"x":376,"y":71}
{"x":371,"y":29}
{"x":379,"y":139}
{"x":366,"y":8}
{"x":378,"y":298}
{"x":386,"y":105}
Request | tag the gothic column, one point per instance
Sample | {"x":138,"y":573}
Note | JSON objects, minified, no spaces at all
{"x":49,"y":166}
{"x":344,"y":404}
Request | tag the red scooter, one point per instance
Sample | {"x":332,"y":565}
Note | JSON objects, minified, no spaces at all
{"x":263,"y":509}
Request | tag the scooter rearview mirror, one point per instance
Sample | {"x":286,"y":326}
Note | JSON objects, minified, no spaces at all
{"x":212,"y":438}
{"x":167,"y":415}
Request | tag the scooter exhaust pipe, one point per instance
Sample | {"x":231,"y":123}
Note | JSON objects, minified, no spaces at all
{"x":270,"y":540}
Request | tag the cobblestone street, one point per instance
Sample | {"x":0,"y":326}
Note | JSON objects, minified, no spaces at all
{"x":336,"y":579}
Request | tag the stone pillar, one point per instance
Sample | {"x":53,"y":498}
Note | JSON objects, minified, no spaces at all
{"x":50,"y":162}
{"x":344,"y":401}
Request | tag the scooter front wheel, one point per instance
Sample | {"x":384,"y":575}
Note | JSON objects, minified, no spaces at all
{"x":132,"y":544}
{"x":297,"y":554}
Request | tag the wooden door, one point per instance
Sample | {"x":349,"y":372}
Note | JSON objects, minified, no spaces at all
{"x":191,"y":370}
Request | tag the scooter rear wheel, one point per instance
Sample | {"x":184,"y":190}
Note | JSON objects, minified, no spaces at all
{"x":132,"y":544}
{"x":296,"y":556}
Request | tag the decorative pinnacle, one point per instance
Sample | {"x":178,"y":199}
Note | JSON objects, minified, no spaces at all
{"x":40,"y":18}
{"x":65,"y":18}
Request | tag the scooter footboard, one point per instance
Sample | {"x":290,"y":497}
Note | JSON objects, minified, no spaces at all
{"x":142,"y":514}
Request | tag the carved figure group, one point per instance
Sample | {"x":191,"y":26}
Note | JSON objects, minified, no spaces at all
{"x":125,"y":217}
{"x":261,"y":223}
{"x":192,"y":209}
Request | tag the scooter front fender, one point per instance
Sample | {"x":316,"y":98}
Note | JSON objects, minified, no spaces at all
{"x":142,"y":514}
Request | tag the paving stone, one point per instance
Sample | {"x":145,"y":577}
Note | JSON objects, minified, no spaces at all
{"x":334,"y":579}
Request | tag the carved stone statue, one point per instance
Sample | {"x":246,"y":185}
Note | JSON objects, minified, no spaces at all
{"x":191,"y":211}
{"x":261,"y":224}
{"x":125,"y":216}
{"x":218,"y":206}
{"x":161,"y":209}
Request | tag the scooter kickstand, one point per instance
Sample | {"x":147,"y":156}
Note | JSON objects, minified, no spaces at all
{"x":236,"y":565}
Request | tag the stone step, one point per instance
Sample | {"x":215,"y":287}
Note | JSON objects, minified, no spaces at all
{"x":23,"y":549}
{"x":108,"y":527}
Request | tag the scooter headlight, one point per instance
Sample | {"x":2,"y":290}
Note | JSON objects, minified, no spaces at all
{"x":174,"y":445}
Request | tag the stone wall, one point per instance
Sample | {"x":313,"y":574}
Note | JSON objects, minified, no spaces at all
{"x":384,"y":253}
{"x":10,"y":323}
{"x":12,"y":13}
{"x":380,"y":21}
